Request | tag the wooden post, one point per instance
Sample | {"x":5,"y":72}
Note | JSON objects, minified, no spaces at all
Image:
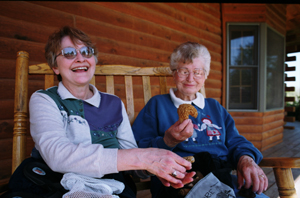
{"x":285,"y":182}
{"x":20,"y":109}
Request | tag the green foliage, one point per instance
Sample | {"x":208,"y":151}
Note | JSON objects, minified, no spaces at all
{"x":297,"y":111}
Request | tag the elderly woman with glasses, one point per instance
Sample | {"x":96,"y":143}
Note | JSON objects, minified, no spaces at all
{"x":210,"y":136}
{"x":78,"y":129}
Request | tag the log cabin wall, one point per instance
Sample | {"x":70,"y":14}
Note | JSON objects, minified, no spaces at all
{"x":139,"y":34}
{"x":263,"y":129}
{"x":293,"y":29}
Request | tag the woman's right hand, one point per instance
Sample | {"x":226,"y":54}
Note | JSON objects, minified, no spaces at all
{"x":159,"y":162}
{"x":163,"y":163}
{"x":178,"y":132}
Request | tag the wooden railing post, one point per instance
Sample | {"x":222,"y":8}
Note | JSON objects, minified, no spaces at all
{"x":285,"y":182}
{"x":20,"y":109}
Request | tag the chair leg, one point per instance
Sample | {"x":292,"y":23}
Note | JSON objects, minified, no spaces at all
{"x":20,"y":110}
{"x":285,"y":182}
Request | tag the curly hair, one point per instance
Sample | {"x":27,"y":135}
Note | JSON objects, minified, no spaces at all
{"x":186,"y":52}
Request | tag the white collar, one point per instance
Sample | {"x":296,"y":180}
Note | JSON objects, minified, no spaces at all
{"x":198,"y":101}
{"x":65,"y":94}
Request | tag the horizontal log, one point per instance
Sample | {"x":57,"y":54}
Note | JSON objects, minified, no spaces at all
{"x":121,"y":48}
{"x":6,"y":128}
{"x":210,"y":8}
{"x":279,"y":9}
{"x":280,"y":162}
{"x":289,"y":89}
{"x":214,"y":84}
{"x":289,"y":68}
{"x":160,"y":19}
{"x":7,"y":89}
{"x":287,"y":59}
{"x":257,"y":144}
{"x":8,"y":68}
{"x":252,"y":136}
{"x":112,"y":59}
{"x":100,"y":13}
{"x":10,"y":47}
{"x":213,"y":93}
{"x":249,"y":128}
{"x":27,"y":11}
{"x":289,"y":119}
{"x":293,"y":78}
{"x":289,"y":127}
{"x":245,"y":18}
{"x":274,"y":24}
{"x":254,"y":114}
{"x":290,"y":109}
{"x":275,"y":21}
{"x":24,"y":30}
{"x":273,"y":117}
{"x":245,"y":114}
{"x":7,"y":106}
{"x":272,"y":132}
{"x":274,"y":112}
{"x":256,"y":122}
{"x":35,"y":50}
{"x":241,"y":8}
{"x":203,"y":11}
{"x":180,"y":12}
{"x":273,"y":125}
{"x":289,"y":99}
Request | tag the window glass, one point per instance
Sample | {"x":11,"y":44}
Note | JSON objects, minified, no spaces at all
{"x":243,"y":66}
{"x":275,"y":70}
{"x":242,"y":88}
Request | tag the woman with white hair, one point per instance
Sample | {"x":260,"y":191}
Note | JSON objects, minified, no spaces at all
{"x":211,"y":136}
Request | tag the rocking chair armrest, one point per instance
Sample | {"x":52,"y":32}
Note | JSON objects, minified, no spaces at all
{"x":280,"y":162}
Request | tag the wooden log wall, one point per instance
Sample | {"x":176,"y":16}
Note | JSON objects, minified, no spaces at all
{"x":293,"y":29}
{"x":263,"y":129}
{"x":139,"y":34}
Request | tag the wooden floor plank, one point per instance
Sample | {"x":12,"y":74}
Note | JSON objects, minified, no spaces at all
{"x":289,"y":147}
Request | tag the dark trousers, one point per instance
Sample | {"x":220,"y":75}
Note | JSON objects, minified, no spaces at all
{"x":20,"y":183}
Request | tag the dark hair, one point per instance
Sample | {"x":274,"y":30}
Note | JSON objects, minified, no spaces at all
{"x":53,"y":45}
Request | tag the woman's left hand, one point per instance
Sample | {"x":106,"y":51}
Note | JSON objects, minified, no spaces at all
{"x":253,"y":175}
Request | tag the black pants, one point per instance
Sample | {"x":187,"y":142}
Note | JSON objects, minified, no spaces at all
{"x":204,"y":163}
{"x":20,"y":183}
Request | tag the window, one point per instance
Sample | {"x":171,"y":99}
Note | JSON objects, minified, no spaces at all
{"x":255,"y":68}
{"x":243,"y":67}
{"x":275,"y":70}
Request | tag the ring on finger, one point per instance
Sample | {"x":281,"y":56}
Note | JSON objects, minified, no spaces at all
{"x":174,"y":174}
{"x":261,"y":176}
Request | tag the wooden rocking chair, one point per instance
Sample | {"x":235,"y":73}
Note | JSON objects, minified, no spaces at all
{"x":281,"y":166}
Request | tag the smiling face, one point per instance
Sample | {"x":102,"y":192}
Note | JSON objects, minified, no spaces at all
{"x":74,"y":72}
{"x":188,"y":86}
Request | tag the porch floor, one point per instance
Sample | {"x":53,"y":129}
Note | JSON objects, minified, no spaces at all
{"x":289,"y":147}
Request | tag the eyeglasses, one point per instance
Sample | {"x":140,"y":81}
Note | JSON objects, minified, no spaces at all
{"x":71,"y":52}
{"x":184,"y":72}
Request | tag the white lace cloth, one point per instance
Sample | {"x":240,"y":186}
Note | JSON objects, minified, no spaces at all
{"x":81,"y":186}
